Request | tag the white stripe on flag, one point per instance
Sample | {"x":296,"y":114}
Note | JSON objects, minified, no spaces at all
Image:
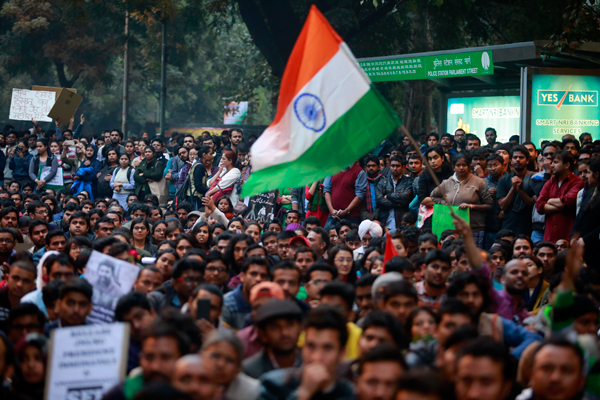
{"x":338,"y":86}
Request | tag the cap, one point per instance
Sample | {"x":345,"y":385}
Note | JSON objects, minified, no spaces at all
{"x":384,"y":280}
{"x":196,"y":213}
{"x":277,"y":309}
{"x":266,"y":289}
{"x":301,"y":240}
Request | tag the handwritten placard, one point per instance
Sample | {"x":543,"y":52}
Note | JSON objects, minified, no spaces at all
{"x":26,"y":105}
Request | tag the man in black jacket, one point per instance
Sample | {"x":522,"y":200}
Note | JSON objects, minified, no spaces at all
{"x":394,"y":194}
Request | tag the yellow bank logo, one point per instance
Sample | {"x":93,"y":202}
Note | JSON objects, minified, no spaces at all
{"x":560,"y":98}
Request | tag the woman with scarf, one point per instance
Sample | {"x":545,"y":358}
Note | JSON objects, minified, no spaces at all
{"x":225,"y":181}
{"x":149,"y":170}
{"x":86,"y":177}
{"x":43,"y":159}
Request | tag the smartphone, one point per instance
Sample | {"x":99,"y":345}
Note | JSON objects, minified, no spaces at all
{"x":69,"y":142}
{"x":203,"y":309}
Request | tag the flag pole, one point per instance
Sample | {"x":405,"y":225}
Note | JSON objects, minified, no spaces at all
{"x":426,"y":162}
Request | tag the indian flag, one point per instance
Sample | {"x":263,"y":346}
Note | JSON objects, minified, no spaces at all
{"x":328,"y":114}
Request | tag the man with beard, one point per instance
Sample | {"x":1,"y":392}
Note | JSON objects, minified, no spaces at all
{"x":113,"y":141}
{"x":447,"y":142}
{"x":236,"y":139}
{"x":558,"y":198}
{"x":370,"y":209}
{"x":279,"y":325}
{"x":490,"y":137}
{"x":162,"y":346}
{"x":106,"y":292}
{"x":9,"y":217}
{"x":515,"y":194}
{"x":460,"y":137}
{"x":394,"y":194}
{"x":510,"y":300}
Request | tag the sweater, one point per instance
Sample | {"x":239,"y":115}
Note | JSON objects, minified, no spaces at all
{"x":472,"y":190}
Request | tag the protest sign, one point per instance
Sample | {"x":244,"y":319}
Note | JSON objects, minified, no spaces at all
{"x":442,"y":219}
{"x":86,"y":361}
{"x":65,"y":106}
{"x":51,"y":89}
{"x":56,"y":183}
{"x":261,"y":207}
{"x":26,"y":105}
{"x":112,"y":279}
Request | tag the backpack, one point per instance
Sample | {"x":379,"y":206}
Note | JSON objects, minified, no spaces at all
{"x":188,"y":191}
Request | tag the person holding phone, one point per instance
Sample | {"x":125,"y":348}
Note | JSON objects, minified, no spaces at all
{"x":19,"y":160}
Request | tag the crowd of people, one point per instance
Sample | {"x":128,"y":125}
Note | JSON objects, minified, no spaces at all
{"x":340,"y":291}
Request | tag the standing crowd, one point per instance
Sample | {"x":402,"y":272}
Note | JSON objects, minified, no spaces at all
{"x":337,"y":290}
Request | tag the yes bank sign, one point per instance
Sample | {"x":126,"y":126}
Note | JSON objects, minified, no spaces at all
{"x":560,"y":98}
{"x":564,"y":104}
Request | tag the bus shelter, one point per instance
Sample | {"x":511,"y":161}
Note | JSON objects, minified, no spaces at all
{"x":531,"y":88}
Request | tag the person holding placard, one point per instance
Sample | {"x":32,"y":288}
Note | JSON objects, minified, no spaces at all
{"x":465,"y":190}
{"x":45,"y":160}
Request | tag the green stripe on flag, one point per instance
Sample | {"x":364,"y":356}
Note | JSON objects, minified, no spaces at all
{"x":359,"y":130}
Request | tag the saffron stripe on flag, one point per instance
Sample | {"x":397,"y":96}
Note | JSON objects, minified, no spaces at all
{"x":317,"y":44}
{"x":339,"y":85}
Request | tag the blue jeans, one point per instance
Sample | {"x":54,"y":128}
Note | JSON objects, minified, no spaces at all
{"x":537,"y":236}
{"x":488,"y":240}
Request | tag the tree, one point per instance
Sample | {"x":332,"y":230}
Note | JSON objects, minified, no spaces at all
{"x":76,"y":38}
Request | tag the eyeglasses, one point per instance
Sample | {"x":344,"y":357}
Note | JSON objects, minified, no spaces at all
{"x":548,"y":155}
{"x":318,"y":282}
{"x":139,"y":228}
{"x":6,"y":241}
{"x":42,"y":212}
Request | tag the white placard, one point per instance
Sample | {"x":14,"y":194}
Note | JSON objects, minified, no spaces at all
{"x":56,"y":181}
{"x":86,"y":361}
{"x":26,"y":105}
{"x":112,"y":279}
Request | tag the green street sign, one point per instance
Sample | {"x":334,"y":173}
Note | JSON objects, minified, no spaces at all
{"x":408,"y":67}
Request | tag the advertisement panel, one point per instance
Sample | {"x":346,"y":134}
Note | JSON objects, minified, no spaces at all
{"x":564,"y":104}
{"x":476,"y":114}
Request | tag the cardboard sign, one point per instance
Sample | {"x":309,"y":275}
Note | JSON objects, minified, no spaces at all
{"x":51,"y":89}
{"x":86,"y":361}
{"x":112,"y":279}
{"x":261,"y":207}
{"x":65,"y":106}
{"x":26,"y":105}
{"x":442,"y":220}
